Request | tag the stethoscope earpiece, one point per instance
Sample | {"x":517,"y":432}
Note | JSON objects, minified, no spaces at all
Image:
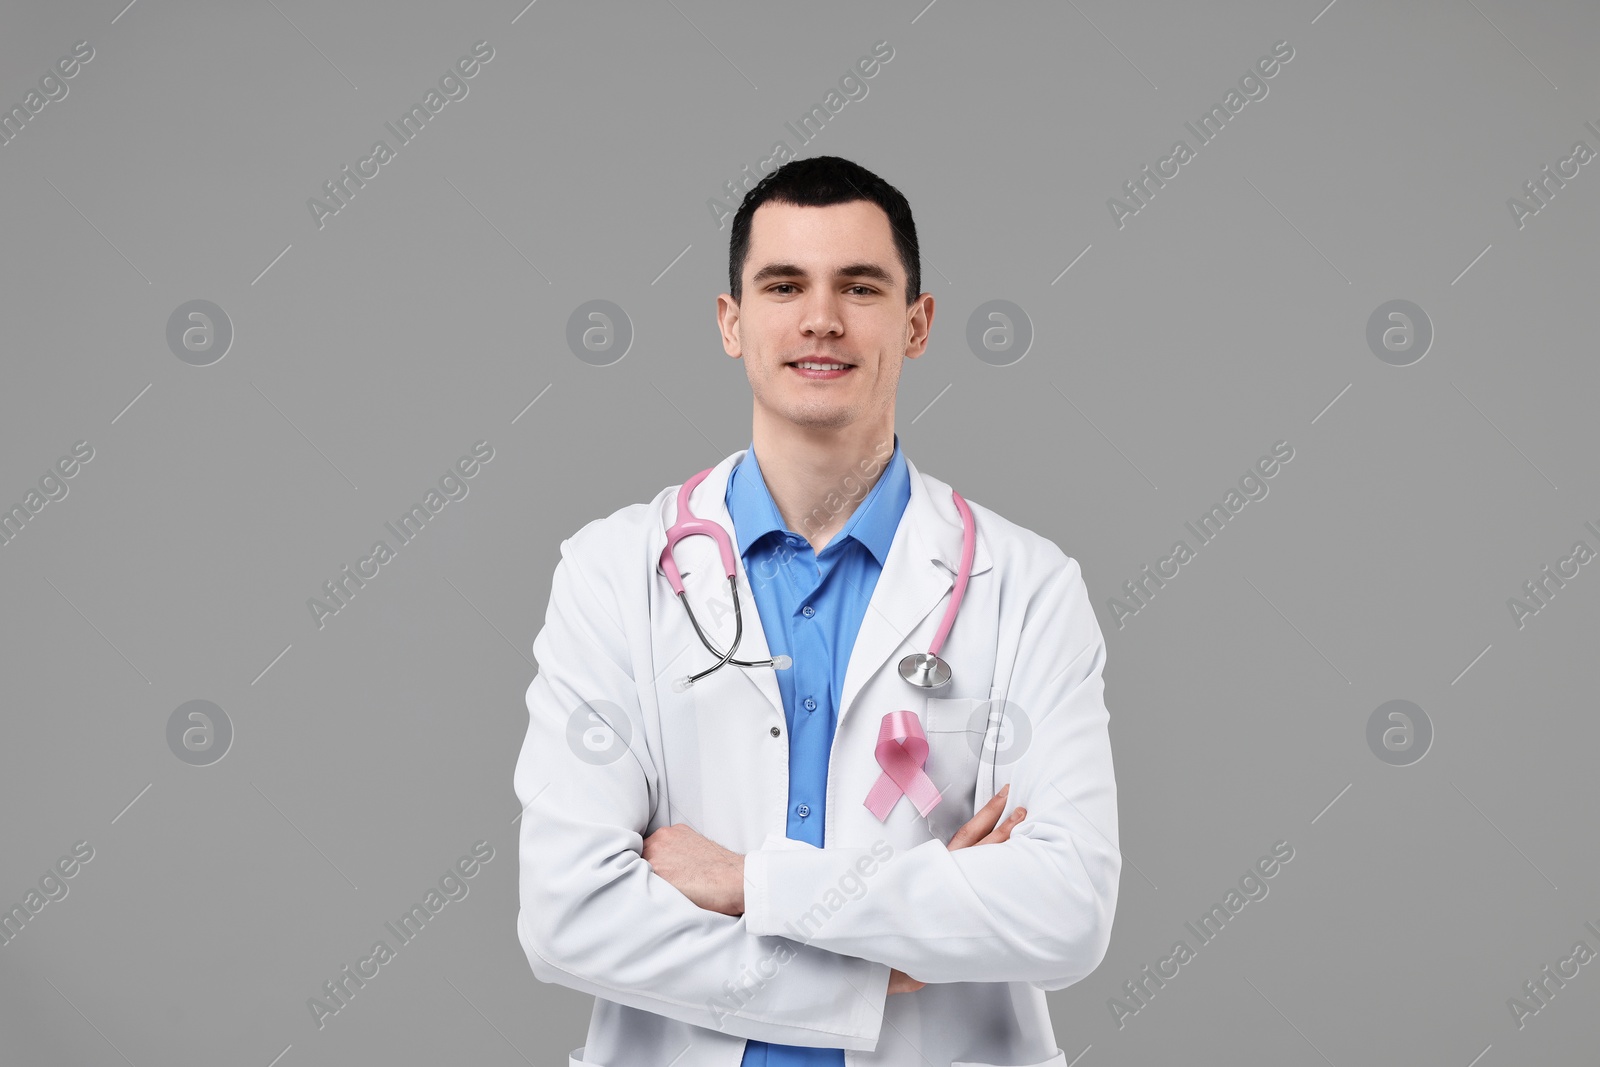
{"x":684,"y":684}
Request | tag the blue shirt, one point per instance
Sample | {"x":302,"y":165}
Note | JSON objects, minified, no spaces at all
{"x":811,"y":606}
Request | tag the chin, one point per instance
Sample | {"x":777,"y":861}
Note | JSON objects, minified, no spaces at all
{"x":819,"y":419}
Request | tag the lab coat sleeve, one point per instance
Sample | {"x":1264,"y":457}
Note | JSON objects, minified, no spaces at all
{"x":594,"y":916}
{"x":1036,"y":908}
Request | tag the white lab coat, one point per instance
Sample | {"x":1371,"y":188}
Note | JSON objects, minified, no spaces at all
{"x":612,"y":753}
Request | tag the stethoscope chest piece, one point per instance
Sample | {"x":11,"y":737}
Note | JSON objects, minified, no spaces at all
{"x":925,"y":670}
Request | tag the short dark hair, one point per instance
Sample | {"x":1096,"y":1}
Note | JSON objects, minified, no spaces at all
{"x":819,"y":182}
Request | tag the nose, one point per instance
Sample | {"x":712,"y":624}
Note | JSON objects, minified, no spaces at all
{"x":820,"y":316}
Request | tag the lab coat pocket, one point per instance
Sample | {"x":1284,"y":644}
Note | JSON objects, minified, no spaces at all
{"x":954,"y":745}
{"x":1058,"y":1060}
{"x":575,"y":1059}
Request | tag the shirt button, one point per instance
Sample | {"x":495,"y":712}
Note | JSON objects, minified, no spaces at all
{"x":811,"y":705}
{"x":802,"y":811}
{"x":808,"y":611}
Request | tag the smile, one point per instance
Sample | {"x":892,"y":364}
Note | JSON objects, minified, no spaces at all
{"x":817,"y":369}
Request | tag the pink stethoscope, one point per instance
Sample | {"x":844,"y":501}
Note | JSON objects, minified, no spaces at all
{"x":924,"y":669}
{"x":902,"y":747}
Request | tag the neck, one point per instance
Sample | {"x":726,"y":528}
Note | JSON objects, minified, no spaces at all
{"x":818,"y":476}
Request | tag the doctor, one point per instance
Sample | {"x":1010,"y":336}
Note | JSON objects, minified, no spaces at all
{"x":812,"y":860}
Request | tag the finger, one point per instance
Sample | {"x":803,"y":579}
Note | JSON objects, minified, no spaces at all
{"x":978,"y":826}
{"x":980,"y":823}
{"x":1003,"y":831}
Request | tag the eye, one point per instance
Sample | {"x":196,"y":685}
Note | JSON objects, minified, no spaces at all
{"x":782,"y":285}
{"x":869,"y":290}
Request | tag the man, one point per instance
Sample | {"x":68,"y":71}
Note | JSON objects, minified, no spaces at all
{"x":703,"y":858}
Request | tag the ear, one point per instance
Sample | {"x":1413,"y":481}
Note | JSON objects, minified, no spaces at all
{"x":919,"y":323}
{"x":728,"y":324}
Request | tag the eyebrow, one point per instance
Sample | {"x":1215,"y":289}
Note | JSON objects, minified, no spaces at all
{"x":773,"y":271}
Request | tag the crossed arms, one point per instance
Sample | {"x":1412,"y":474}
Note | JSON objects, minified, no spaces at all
{"x":598,"y":917}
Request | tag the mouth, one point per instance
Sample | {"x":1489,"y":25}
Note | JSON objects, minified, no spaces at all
{"x":821,"y":369}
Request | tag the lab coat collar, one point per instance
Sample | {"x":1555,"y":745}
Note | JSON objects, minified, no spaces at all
{"x":921,"y":567}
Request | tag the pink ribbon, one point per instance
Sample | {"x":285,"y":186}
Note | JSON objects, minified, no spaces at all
{"x":902,"y":750}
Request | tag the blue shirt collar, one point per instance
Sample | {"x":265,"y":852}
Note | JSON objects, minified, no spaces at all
{"x":873,"y":523}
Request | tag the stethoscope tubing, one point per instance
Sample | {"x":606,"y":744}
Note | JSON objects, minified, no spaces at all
{"x":689,"y":524}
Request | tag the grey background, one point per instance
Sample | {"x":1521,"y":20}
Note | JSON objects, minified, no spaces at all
{"x":368,"y":355}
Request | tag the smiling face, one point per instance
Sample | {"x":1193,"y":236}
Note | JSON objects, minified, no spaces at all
{"x":824,"y":284}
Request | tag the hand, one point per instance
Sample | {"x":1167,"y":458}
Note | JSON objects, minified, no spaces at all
{"x":901,"y":982}
{"x":697,"y":867}
{"x":979,"y":830}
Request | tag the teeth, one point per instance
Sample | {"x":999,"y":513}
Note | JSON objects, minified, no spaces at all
{"x":821,"y":366}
